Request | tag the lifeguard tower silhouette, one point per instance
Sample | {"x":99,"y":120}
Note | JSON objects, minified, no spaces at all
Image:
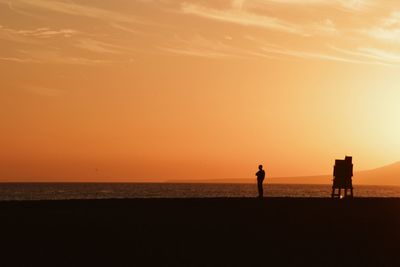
{"x":342,"y":177}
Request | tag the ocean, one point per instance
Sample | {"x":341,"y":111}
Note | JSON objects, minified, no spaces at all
{"x":62,"y":191}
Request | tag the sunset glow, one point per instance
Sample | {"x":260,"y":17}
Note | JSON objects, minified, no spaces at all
{"x":153,"y":90}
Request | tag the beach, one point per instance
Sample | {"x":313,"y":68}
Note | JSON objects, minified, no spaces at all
{"x":201,"y":232}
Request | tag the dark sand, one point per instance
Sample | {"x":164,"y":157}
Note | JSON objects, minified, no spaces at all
{"x":201,"y":232}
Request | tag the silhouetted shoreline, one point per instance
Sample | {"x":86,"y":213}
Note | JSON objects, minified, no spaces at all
{"x":201,"y":232}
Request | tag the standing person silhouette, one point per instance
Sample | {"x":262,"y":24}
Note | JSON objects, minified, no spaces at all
{"x":260,"y":179}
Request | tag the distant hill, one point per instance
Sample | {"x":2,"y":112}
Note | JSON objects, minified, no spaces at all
{"x":322,"y":179}
{"x":387,"y":175}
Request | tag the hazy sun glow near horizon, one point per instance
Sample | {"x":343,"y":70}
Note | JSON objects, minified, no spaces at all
{"x":151,"y":90}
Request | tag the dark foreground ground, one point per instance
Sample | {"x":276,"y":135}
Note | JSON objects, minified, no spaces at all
{"x":201,"y":232}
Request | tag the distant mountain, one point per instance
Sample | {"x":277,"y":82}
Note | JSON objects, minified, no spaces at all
{"x":322,"y":179}
{"x":387,"y":175}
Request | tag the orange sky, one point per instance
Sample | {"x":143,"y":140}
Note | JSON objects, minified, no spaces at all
{"x":150,"y":90}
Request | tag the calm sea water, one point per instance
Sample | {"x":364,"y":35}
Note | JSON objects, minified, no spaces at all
{"x":58,"y":191}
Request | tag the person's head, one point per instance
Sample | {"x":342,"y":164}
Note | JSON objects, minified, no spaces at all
{"x":260,"y":167}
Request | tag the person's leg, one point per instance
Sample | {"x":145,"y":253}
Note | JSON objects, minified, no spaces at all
{"x":260,"y":189}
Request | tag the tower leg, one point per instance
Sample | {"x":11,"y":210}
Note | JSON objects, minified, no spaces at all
{"x":351,"y":191}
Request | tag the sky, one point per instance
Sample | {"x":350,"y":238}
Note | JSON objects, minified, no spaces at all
{"x":152,"y":90}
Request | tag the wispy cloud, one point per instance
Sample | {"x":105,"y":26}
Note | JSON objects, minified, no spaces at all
{"x":200,"y":46}
{"x":40,"y":32}
{"x":44,"y":50}
{"x":240,"y":17}
{"x":197,"y":52}
{"x":70,"y":60}
{"x":313,"y":55}
{"x":58,"y":57}
{"x":380,"y":54}
{"x":299,"y":29}
{"x":19,"y":60}
{"x":342,"y":4}
{"x":100,"y":46}
{"x":388,"y":29}
{"x":74,"y":9}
